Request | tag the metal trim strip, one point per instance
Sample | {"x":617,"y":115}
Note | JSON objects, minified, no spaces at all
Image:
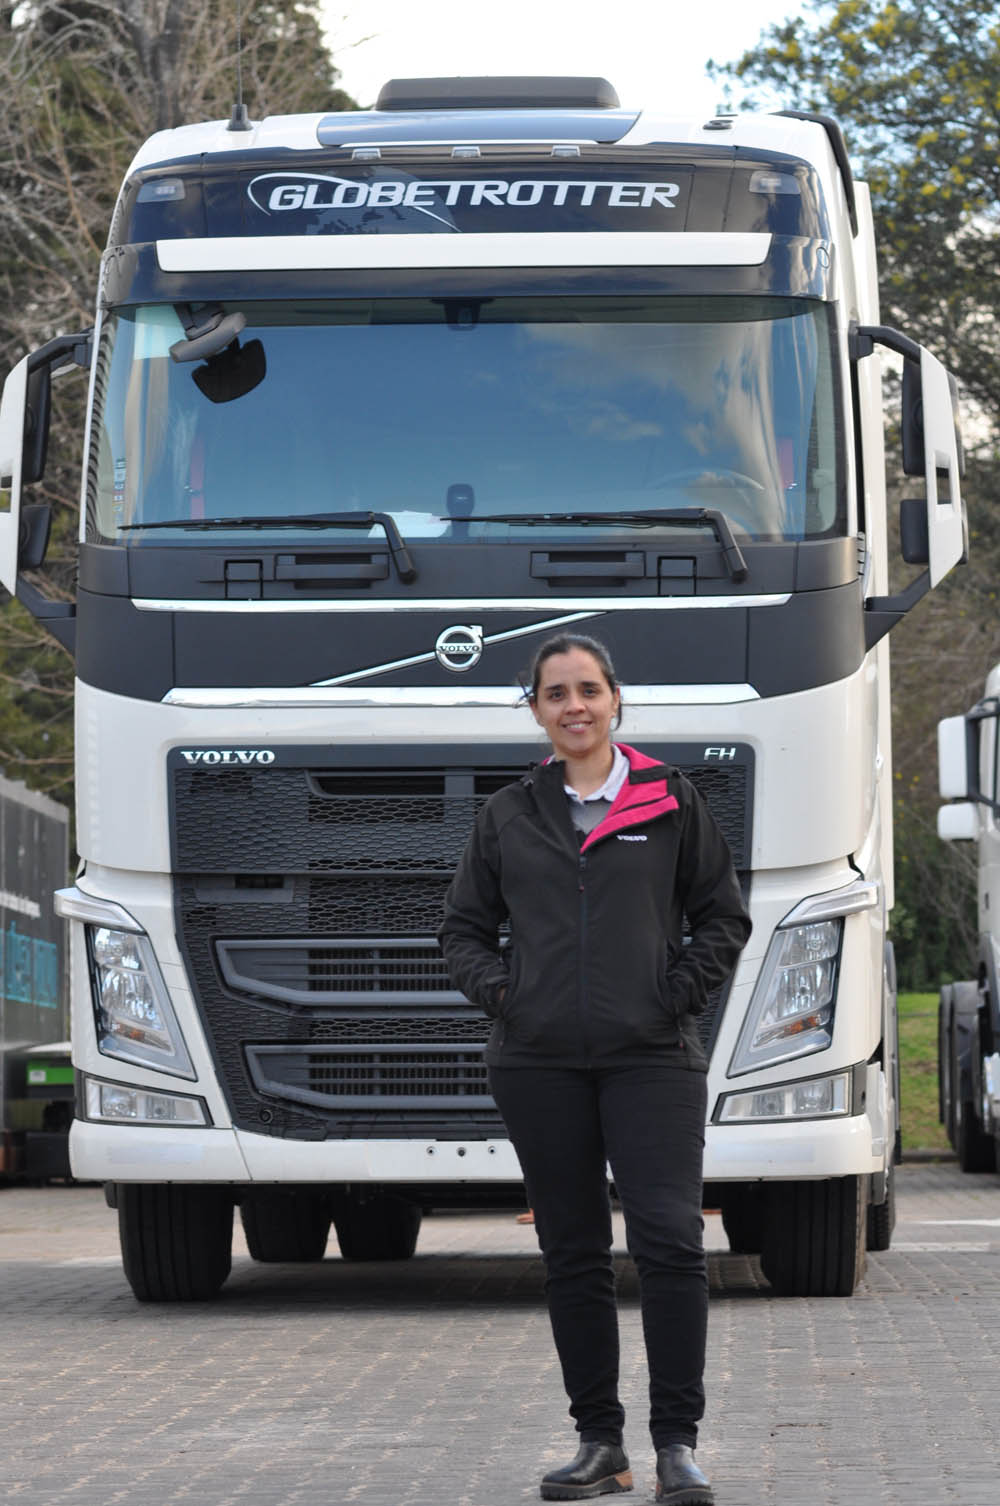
{"x":420,"y":697}
{"x":429,"y":657}
{"x":595,"y":248}
{"x":584,"y":605}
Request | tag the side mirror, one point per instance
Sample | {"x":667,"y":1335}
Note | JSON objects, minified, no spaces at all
{"x":12,"y":418}
{"x":953,"y":758}
{"x":37,"y":414}
{"x":33,"y":540}
{"x":931,"y":448}
{"x":958,"y":823}
{"x":946,"y":524}
{"x":914,"y":541}
{"x":914,"y":458}
{"x":24,"y":437}
{"x":912,"y":421}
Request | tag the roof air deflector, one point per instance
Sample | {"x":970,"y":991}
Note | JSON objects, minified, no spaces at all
{"x":497,"y":93}
{"x":839,"y":148}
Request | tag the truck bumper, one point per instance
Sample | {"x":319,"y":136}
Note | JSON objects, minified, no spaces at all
{"x":139,"y":1153}
{"x":792,"y":1152}
{"x":134,"y":1153}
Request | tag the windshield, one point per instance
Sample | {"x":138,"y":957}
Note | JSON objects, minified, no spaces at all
{"x":436,"y":411}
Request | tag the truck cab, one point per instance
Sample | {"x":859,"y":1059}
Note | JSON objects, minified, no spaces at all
{"x":378,"y":402}
{"x":969,"y":1011}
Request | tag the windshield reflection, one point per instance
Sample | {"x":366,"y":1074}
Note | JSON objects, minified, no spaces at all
{"x":434,"y":411}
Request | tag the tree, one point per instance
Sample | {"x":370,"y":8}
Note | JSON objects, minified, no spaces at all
{"x":84,"y":82}
{"x":914,"y":84}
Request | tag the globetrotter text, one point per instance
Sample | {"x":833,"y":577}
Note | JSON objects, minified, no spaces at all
{"x":290,"y":191}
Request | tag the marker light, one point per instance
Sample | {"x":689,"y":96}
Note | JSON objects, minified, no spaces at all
{"x":135,"y":1019}
{"x":764,"y":181}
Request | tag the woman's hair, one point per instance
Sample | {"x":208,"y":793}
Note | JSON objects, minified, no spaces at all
{"x":564,"y":643}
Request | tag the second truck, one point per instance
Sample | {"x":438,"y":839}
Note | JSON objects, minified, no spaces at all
{"x":969,"y":1011}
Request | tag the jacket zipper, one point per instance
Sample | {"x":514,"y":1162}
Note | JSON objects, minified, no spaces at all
{"x":581,"y":962}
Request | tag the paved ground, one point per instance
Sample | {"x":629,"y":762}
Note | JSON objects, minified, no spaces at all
{"x":433,"y":1383}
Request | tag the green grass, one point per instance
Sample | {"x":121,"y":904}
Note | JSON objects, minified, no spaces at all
{"x":918,"y":1073}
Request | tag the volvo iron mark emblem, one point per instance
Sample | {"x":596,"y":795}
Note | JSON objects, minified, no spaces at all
{"x":459,"y":648}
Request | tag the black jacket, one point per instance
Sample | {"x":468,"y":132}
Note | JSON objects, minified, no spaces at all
{"x":596,"y":972}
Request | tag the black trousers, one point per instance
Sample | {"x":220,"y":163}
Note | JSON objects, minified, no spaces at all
{"x":649,"y":1123}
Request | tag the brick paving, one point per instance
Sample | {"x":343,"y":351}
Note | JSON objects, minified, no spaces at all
{"x":432,"y":1382}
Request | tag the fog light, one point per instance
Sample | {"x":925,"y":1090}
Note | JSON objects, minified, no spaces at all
{"x":116,"y":1103}
{"x":818,"y":1098}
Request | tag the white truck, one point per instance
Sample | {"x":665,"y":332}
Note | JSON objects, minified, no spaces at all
{"x":379,"y":401}
{"x":969,"y":1012}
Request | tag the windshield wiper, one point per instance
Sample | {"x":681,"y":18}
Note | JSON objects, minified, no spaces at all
{"x":685,"y":517}
{"x":401,"y":557}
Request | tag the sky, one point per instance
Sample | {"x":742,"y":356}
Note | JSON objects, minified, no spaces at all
{"x":653,"y":51}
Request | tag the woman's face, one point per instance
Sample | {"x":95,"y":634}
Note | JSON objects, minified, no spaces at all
{"x":575,"y":704}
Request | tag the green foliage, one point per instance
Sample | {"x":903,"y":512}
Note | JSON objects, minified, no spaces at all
{"x":83,"y":85}
{"x":916,"y":86}
{"x":918,"y":1073}
{"x":934,"y":920}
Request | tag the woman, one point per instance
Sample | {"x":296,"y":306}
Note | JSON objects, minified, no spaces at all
{"x":595,"y":856}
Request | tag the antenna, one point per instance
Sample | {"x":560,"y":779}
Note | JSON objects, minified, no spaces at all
{"x":240,"y":119}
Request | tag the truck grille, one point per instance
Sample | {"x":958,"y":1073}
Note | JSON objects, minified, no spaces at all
{"x":349,"y":1078}
{"x":307,"y":897}
{"x":330,"y":971}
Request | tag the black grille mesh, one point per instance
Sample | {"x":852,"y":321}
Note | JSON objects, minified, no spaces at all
{"x":316,"y":858}
{"x":219,"y":816}
{"x":331,"y":971}
{"x":356,"y":1079}
{"x":408,"y":1029}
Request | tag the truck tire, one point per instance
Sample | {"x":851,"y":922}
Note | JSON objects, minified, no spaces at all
{"x":286,"y":1226}
{"x":381,"y":1227}
{"x":882,"y":1216}
{"x":814,"y":1236}
{"x":176,"y":1241}
{"x":945,"y":1096}
{"x":975,"y":1149}
{"x":742,"y":1206}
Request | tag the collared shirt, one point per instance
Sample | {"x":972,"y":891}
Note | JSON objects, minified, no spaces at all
{"x":588,"y":811}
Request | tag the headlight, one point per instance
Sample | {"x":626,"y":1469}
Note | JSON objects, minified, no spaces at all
{"x":791,"y":1012}
{"x":116,"y":1103}
{"x":816,"y":1098}
{"x":135,"y":1019}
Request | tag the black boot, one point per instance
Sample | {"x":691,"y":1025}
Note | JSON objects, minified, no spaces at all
{"x":599,"y":1469}
{"x":679,"y":1481}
